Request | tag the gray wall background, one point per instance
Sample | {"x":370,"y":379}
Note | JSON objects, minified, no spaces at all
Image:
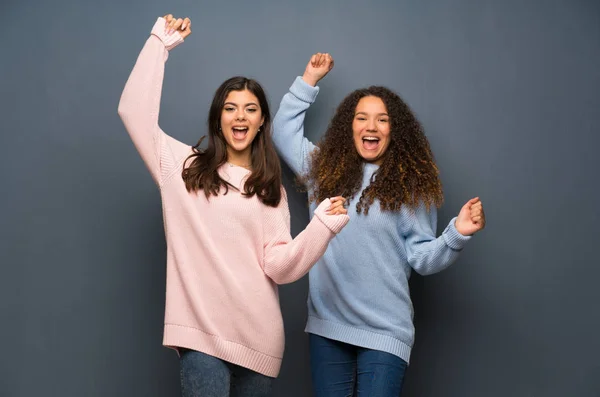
{"x":508,"y":94}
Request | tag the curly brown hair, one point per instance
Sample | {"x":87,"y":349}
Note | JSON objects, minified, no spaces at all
{"x":408,"y":174}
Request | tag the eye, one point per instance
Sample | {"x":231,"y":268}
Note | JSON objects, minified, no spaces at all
{"x":361,"y":118}
{"x":229,"y":109}
{"x":383,"y":120}
{"x":252,"y":110}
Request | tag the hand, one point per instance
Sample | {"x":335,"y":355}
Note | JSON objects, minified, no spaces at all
{"x":318,"y":66}
{"x":471,"y":218}
{"x":183,"y":26}
{"x":337,"y":206}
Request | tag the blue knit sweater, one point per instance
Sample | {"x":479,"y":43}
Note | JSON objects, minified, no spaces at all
{"x":359,"y":288}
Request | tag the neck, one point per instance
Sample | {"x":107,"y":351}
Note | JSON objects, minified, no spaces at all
{"x":241,"y":159}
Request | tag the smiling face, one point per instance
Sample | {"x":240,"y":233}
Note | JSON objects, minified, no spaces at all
{"x":241,"y":118}
{"x":371,"y":129}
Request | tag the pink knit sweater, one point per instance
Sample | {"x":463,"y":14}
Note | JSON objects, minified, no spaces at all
{"x":225,"y":255}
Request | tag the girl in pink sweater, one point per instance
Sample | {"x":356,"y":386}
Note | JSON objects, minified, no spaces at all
{"x":227,"y":227}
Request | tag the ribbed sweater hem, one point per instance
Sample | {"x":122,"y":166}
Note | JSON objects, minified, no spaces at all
{"x":195,"y":339}
{"x":358,"y":337}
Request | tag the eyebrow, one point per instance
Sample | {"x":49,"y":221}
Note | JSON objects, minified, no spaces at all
{"x":365,"y":113}
{"x":235,"y":104}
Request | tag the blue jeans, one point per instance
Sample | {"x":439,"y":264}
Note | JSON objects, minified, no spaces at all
{"x":342,"y":370}
{"x":203,"y":375}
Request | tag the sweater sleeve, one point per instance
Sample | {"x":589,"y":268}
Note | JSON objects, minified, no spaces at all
{"x":288,"y":126}
{"x":426,"y":253}
{"x":140,"y":103}
{"x":287,"y":260}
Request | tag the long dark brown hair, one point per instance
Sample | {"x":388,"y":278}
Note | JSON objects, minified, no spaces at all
{"x":407,"y":176}
{"x":265,"y":178}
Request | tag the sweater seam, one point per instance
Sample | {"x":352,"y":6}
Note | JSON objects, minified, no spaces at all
{"x":360,"y":329}
{"x":318,"y":216}
{"x":226,"y":340}
{"x":171,"y":173}
{"x":300,"y":99}
{"x":300,"y":88}
{"x":444,"y":239}
{"x":448,"y":239}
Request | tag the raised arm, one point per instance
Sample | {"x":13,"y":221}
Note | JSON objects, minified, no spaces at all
{"x":428,"y":254}
{"x":140,"y":101}
{"x":287,"y":260}
{"x":288,"y":124}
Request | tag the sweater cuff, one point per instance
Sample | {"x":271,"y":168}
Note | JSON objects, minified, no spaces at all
{"x":335,"y":223}
{"x":453,"y":238}
{"x":304,"y":91}
{"x":170,"y":41}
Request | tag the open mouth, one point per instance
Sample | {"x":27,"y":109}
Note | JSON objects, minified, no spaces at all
{"x":239,"y":133}
{"x":370,"y":142}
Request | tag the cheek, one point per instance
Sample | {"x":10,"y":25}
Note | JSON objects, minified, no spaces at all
{"x":386,"y":133}
{"x":255,"y":117}
{"x":224,"y":119}
{"x":355,"y":132}
{"x":386,"y":143}
{"x":357,"y":142}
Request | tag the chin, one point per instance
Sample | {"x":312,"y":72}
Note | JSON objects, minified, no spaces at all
{"x":238,"y":147}
{"x":370,"y":158}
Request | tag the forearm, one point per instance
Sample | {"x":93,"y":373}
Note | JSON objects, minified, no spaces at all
{"x":288,"y":126}
{"x":139,"y":105}
{"x":429,"y":257}
{"x":287,"y":260}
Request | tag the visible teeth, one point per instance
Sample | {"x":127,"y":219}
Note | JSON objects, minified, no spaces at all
{"x":240,"y":128}
{"x":370,"y":138}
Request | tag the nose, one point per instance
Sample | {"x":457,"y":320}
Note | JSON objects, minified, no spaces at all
{"x":240,"y":115}
{"x":372,"y":125}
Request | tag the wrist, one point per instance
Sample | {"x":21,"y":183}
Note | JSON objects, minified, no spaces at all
{"x":170,"y":41}
{"x":459,"y":229}
{"x":310,"y":80}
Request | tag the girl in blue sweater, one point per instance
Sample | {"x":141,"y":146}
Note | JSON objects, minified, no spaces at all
{"x":375,"y":154}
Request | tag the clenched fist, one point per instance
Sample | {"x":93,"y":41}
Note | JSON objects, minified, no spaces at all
{"x":183,"y":26}
{"x":318,"y":66}
{"x":471,"y":218}
{"x":337,"y":207}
